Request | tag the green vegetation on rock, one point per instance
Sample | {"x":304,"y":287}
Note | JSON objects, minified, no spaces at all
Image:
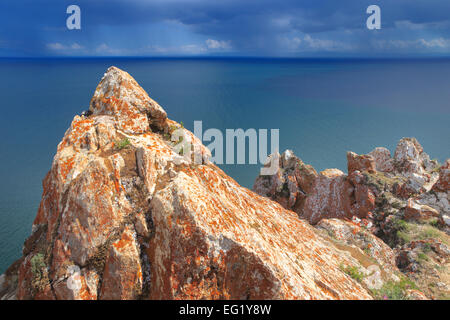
{"x":392,"y":290}
{"x":353,"y":272}
{"x":122,"y":144}
{"x":39,"y":271}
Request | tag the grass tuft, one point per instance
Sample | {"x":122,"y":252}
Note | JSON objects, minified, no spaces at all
{"x":122,"y":144}
{"x":392,"y":290}
{"x":353,"y":272}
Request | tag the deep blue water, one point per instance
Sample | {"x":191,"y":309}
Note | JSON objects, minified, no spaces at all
{"x":322,"y":107}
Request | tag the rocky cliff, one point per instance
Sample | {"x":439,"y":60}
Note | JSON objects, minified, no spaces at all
{"x":401,"y":203}
{"x":125,"y":215}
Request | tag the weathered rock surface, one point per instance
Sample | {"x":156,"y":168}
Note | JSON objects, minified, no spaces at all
{"x":427,"y":263}
{"x":126,"y":215}
{"x":363,"y":241}
{"x":356,"y":162}
{"x":415,"y":211}
{"x":120,"y":96}
{"x":443,"y":183}
{"x":398,"y":200}
{"x":383,"y":160}
{"x":330,"y":194}
{"x":291,"y":183}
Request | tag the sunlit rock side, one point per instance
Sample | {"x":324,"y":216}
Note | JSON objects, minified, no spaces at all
{"x":329,"y":194}
{"x":401,"y":200}
{"x":410,"y":174}
{"x":140,"y":222}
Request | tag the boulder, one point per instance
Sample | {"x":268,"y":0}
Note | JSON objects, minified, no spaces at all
{"x":290,"y":184}
{"x":330,"y":194}
{"x":361,"y":163}
{"x":408,"y":149}
{"x":443,"y":184}
{"x":329,"y":197}
{"x":415,"y":211}
{"x":383,"y":160}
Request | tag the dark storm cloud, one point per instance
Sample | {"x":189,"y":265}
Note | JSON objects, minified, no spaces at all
{"x":248,"y":27}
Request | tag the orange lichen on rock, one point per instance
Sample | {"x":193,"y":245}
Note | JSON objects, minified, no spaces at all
{"x":145,"y":222}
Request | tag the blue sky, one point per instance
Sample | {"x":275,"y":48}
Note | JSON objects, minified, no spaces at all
{"x":284,"y":28}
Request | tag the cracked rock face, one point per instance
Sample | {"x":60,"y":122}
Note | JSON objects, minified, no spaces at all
{"x":398,"y":202}
{"x":333,"y":194}
{"x":119,"y":95}
{"x":124,"y":216}
{"x":313,"y":196}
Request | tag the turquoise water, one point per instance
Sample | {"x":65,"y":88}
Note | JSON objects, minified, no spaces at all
{"x":322,"y":107}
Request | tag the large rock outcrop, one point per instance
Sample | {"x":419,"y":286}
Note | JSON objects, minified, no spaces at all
{"x":126,"y":214}
{"x":401,"y":200}
{"x":314,"y":196}
{"x":410,"y":174}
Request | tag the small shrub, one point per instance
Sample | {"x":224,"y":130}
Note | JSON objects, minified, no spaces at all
{"x":403,"y":230}
{"x":121,"y":144}
{"x":39,"y":271}
{"x":400,"y":224}
{"x":37,"y":264}
{"x":427,"y":248}
{"x":422,"y":256}
{"x":172,"y":128}
{"x":404,"y":237}
{"x":429,"y":232}
{"x":434,"y":223}
{"x":380,"y":181}
{"x":353,"y":272}
{"x":394,"y":290}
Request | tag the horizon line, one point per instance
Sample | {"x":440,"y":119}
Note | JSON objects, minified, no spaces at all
{"x":395,"y":57}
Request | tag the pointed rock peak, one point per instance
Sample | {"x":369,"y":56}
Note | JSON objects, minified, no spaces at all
{"x":116,"y":72}
{"x":408,"y":148}
{"x":288,"y":159}
{"x":119,"y":95}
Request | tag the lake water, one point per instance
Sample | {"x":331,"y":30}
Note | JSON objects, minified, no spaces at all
{"x":323,"y":108}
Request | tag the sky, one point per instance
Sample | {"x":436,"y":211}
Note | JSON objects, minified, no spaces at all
{"x":265,"y":28}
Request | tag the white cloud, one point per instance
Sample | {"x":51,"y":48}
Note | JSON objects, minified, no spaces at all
{"x":320,"y":44}
{"x":193,"y":49}
{"x":406,"y":24}
{"x":290,"y":44}
{"x":57,"y":46}
{"x":218,"y":45}
{"x":210,"y":45}
{"x":438,"y":43}
{"x":105,"y":49}
{"x":281,"y":22}
{"x":308,"y":43}
{"x":433,"y":43}
{"x":76,"y":46}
